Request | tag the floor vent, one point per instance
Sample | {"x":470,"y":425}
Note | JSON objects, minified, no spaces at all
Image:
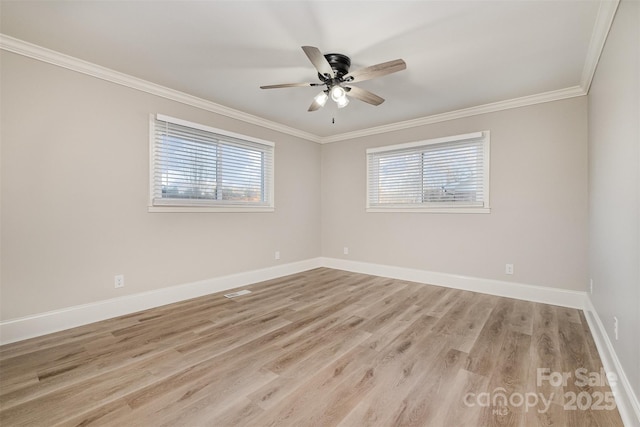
{"x":237,"y":294}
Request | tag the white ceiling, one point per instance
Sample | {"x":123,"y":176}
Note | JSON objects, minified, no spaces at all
{"x":459,"y":54}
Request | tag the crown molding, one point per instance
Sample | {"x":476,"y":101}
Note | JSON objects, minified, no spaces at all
{"x":524,"y":101}
{"x":604,"y":20}
{"x":49,"y":56}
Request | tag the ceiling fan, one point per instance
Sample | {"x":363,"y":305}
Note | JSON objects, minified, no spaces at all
{"x":333,"y":72}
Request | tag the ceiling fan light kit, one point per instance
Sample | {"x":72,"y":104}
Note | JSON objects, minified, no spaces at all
{"x":339,"y":95}
{"x":321,"y":98}
{"x":333,"y":72}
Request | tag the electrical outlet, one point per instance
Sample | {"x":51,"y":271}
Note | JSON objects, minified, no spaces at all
{"x":345,"y":250}
{"x":277,"y":255}
{"x":118,"y":281}
{"x":591,"y":286}
{"x":615,"y":327}
{"x":508,"y":269}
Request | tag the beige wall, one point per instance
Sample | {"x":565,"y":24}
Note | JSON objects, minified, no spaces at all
{"x":75,"y":184}
{"x":538,"y":219}
{"x":75,"y":190}
{"x":614,"y":187}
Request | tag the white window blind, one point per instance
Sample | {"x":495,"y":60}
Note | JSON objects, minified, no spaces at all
{"x":449,"y":173}
{"x":195,"y":165}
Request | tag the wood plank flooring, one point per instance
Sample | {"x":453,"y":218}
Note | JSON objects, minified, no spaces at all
{"x":319,"y":348}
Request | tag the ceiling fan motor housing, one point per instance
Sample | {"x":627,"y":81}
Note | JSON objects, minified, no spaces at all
{"x":339,"y":63}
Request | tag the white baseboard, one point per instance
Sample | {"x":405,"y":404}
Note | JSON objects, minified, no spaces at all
{"x":626,"y":400}
{"x":547,"y":295}
{"x":53,"y":321}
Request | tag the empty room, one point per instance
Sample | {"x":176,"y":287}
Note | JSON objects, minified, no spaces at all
{"x":320,"y":213}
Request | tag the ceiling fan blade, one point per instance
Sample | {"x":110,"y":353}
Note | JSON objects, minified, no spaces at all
{"x":364,"y":95}
{"x":377,"y":70}
{"x":318,"y":60}
{"x":291,"y":85}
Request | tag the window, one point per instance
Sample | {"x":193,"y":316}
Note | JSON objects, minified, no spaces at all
{"x":440,"y":175}
{"x":198,"y":168}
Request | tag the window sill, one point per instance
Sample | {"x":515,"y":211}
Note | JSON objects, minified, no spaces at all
{"x":208,"y":209}
{"x":448,"y":210}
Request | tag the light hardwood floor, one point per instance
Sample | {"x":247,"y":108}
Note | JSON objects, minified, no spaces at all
{"x":320,"y":348}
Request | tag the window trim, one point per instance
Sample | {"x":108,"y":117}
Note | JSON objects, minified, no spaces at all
{"x":193,"y":206}
{"x":446,"y":208}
